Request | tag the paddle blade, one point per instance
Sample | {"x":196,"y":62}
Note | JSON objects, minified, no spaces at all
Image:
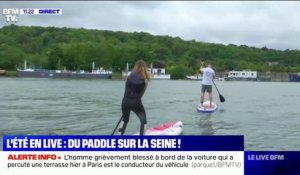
{"x":222,"y":99}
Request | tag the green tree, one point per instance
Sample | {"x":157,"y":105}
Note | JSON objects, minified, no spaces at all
{"x":54,"y":59}
{"x":177,"y":71}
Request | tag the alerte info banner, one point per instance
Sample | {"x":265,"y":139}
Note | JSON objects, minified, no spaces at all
{"x":99,"y":154}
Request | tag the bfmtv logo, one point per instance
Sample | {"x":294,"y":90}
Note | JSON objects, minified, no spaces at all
{"x":11,"y":14}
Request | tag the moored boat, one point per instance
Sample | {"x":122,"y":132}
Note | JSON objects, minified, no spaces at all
{"x":194,"y":77}
{"x":241,"y":76}
{"x":294,"y":77}
{"x":45,"y":73}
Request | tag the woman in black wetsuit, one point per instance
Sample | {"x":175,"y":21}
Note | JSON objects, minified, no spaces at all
{"x":136,"y":85}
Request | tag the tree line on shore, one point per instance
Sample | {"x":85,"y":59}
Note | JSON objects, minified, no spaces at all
{"x":76,"y":49}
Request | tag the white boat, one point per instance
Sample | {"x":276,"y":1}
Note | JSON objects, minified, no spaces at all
{"x":160,"y":76}
{"x":101,"y":71}
{"x":220,"y":78}
{"x":241,"y":76}
{"x":194,"y":77}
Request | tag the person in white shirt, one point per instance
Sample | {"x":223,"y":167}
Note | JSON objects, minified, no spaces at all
{"x":208,"y":75}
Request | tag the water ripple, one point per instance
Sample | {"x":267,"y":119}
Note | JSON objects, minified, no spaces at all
{"x":267,"y":114}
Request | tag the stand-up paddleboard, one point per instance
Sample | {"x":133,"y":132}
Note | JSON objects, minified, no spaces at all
{"x":170,"y":128}
{"x":206,"y":109}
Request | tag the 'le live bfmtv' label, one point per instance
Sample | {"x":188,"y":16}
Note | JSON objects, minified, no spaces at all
{"x":12,"y":13}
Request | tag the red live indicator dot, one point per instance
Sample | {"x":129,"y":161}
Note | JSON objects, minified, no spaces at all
{"x":59,"y":157}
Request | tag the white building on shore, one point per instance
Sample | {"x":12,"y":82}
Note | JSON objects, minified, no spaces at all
{"x":159,"y":73}
{"x":156,"y":73}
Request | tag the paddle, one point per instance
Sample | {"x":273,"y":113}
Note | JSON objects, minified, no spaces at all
{"x":117,"y":126}
{"x":222,"y":99}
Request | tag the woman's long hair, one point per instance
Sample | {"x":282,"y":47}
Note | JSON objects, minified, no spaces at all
{"x":141,"y":68}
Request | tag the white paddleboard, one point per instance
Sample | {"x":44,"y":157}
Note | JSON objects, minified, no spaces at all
{"x":206,"y":109}
{"x":170,"y":128}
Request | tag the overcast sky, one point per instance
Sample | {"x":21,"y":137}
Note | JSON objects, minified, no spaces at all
{"x":272,"y":24}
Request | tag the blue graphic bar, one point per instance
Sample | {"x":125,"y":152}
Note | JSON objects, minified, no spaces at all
{"x":272,"y":163}
{"x":122,"y":143}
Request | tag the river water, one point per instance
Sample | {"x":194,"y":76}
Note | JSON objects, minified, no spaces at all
{"x":266,"y":113}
